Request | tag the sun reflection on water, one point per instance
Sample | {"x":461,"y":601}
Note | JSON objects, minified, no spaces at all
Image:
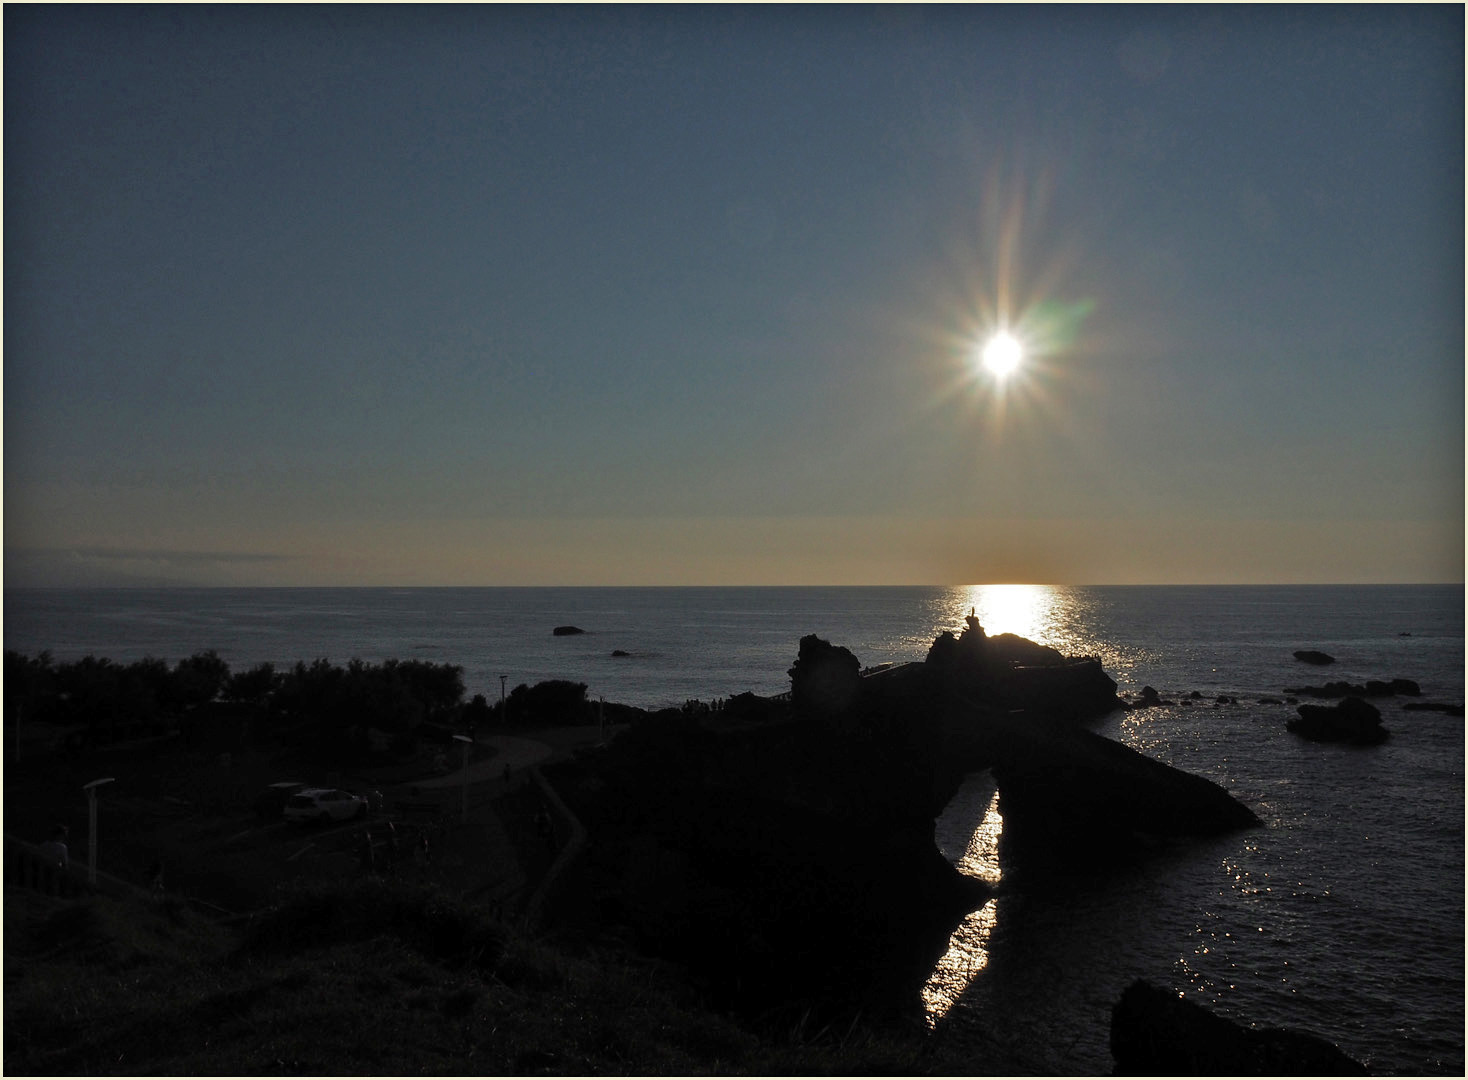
{"x":967,"y":955}
{"x":981,"y":858}
{"x":968,"y":946}
{"x":1026,"y":610}
{"x":1045,"y":613}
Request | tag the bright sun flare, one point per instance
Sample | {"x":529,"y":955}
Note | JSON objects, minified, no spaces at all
{"x":1002,"y":355}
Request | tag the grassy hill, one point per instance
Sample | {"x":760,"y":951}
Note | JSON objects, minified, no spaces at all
{"x":379,"y":979}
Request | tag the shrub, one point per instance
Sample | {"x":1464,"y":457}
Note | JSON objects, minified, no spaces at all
{"x":555,"y":701}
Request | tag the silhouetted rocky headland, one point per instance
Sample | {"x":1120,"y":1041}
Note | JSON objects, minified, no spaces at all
{"x":783,"y":849}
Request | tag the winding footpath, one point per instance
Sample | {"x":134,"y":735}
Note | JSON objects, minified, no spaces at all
{"x":516,"y":754}
{"x":513,"y":751}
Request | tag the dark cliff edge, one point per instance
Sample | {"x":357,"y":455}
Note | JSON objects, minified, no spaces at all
{"x":783,"y":852}
{"x":1068,"y":794}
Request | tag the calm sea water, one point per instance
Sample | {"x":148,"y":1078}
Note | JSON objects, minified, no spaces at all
{"x":1344,"y":915}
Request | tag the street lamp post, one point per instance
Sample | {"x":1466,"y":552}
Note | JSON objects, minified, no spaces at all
{"x":464,"y":779}
{"x":503,"y":718}
{"x":91,"y":790}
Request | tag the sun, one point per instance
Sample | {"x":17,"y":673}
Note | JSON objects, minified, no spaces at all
{"x":1002,"y":355}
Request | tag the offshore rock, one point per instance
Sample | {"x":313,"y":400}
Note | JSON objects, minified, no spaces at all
{"x":1352,"y":721}
{"x":1372,"y":688}
{"x":1329,"y":690}
{"x":1434,"y":706}
{"x":1314,"y":656}
{"x":1406,"y":687}
{"x":1149,"y":699}
{"x":566,"y":631}
{"x":1156,"y":1033}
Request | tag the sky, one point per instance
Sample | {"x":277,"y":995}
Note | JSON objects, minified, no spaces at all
{"x":485,"y":295}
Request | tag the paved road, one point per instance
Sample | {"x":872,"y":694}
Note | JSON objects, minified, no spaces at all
{"x":515,"y":752}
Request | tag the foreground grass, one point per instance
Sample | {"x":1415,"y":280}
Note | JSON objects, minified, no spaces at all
{"x":373,"y":980}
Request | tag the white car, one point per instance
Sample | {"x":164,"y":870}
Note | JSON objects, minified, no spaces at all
{"x":324,"y":804}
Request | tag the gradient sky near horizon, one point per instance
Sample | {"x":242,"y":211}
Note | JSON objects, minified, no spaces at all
{"x":487,"y":295}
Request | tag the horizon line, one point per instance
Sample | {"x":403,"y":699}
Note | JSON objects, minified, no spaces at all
{"x":788,"y":585}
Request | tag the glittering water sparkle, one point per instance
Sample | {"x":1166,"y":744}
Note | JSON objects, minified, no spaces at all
{"x":968,"y":952}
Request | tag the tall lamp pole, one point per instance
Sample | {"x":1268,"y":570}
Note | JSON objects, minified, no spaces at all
{"x":464,"y":779}
{"x":91,"y":790}
{"x":503,"y":717}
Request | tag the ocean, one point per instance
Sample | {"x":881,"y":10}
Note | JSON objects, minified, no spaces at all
{"x":1343,"y":915}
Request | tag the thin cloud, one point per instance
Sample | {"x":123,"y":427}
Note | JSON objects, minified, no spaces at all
{"x":127,"y":566}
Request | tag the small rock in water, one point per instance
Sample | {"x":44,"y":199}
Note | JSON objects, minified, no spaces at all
{"x":564,"y":631}
{"x":1149,"y":699}
{"x":1314,"y":656}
